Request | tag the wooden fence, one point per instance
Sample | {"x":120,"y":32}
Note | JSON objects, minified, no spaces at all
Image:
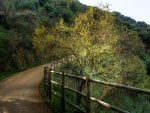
{"x":48,"y":87}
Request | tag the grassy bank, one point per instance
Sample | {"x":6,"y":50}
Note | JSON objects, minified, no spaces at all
{"x":127,"y":100}
{"x":55,"y":103}
{"x":11,"y":72}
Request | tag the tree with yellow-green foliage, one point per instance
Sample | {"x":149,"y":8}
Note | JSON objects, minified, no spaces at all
{"x":100,"y":49}
{"x":98,"y":46}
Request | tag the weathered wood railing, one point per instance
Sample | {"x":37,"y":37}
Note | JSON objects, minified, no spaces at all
{"x":48,"y":86}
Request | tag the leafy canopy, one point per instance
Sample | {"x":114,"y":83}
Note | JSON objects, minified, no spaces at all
{"x":99,"y":47}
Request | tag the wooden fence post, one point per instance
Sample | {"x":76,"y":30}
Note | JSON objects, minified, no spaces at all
{"x":45,"y":76}
{"x":88,"y":94}
{"x":80,"y":84}
{"x":63,"y":60}
{"x":63,"y":94}
{"x":49,"y":84}
{"x":51,"y":66}
{"x":55,"y":64}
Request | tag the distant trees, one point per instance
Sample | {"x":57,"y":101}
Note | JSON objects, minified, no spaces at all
{"x":142,"y":30}
{"x":18,"y":18}
{"x":27,"y":4}
{"x":49,"y":7}
{"x":67,"y":15}
{"x":42,"y":2}
{"x":6,"y":10}
{"x":1,"y":4}
{"x":65,"y":9}
{"x":75,"y":6}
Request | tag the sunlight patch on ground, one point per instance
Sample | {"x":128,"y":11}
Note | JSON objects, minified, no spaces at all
{"x":14,"y":98}
{"x":5,"y":110}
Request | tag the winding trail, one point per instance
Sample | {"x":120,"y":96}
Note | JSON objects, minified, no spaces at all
{"x":20,"y":93}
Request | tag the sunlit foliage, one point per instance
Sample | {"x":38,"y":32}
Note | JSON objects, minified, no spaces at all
{"x":100,"y":48}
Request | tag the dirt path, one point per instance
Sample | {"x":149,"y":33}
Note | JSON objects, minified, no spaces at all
{"x":20,"y":93}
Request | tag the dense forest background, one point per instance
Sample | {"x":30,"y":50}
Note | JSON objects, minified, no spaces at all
{"x":111,"y":45}
{"x":19,"y":18}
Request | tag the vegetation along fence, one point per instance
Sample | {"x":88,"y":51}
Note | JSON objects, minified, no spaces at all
{"x":48,"y":82}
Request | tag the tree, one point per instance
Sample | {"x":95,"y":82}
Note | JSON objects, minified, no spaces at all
{"x":8,"y":8}
{"x":49,"y":7}
{"x":42,"y":2}
{"x":75,"y":6}
{"x":100,"y":49}
{"x":67,"y":15}
{"x":1,"y":4}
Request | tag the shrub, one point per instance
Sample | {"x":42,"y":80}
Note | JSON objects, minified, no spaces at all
{"x":27,"y":4}
{"x":67,"y":15}
{"x":147,"y":62}
{"x":49,"y":7}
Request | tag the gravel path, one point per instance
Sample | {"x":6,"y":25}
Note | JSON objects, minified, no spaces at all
{"x":20,"y":93}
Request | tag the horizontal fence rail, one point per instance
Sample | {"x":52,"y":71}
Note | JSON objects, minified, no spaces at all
{"x":138,"y":90}
{"x":87,"y":95}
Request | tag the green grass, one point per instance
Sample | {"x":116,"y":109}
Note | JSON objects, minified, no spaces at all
{"x":55,"y":103}
{"x":12,"y":72}
{"x":5,"y":75}
{"x":55,"y":106}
